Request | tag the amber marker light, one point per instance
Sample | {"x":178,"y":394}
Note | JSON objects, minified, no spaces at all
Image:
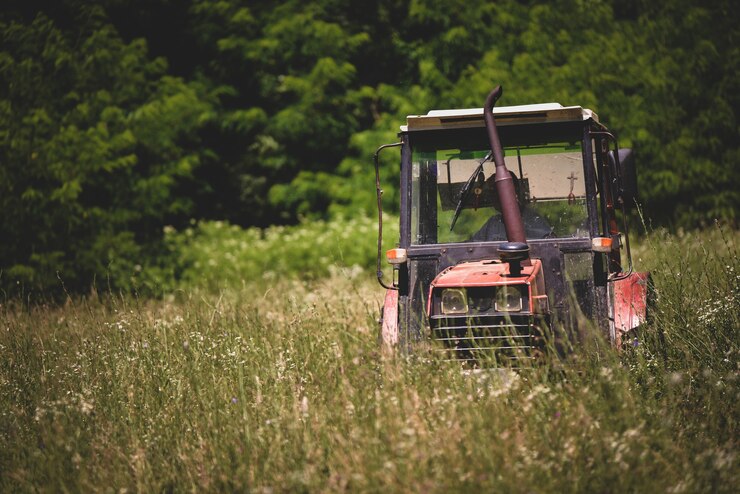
{"x":601,"y":244}
{"x":396,"y":256}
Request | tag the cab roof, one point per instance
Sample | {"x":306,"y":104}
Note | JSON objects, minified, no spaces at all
{"x":505,"y":115}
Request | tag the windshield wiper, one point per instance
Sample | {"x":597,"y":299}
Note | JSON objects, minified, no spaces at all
{"x":466,"y":188}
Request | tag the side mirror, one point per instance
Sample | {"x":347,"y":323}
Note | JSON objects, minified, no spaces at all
{"x":628,"y":175}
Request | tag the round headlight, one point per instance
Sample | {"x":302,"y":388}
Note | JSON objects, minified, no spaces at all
{"x":454,"y":301}
{"x":508,"y":299}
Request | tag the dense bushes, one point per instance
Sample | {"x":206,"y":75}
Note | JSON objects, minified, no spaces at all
{"x":119,"y":118}
{"x":96,"y":140}
{"x":218,"y":255}
{"x":215,"y":255}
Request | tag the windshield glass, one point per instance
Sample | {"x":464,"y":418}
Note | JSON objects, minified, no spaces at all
{"x":454,"y":197}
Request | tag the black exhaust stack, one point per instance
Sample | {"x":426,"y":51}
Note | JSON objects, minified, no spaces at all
{"x":516,"y":251}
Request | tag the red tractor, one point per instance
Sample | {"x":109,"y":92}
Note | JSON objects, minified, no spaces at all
{"x":510,"y":232}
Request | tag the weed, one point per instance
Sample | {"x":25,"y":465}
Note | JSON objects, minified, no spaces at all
{"x":280,"y":387}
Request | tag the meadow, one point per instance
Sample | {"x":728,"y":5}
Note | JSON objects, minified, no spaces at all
{"x":261,"y":372}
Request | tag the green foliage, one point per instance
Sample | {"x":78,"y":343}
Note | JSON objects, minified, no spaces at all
{"x":117,"y":119}
{"x":217,"y":255}
{"x":96,"y":139}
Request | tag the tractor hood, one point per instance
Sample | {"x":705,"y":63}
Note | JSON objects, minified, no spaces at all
{"x":485,"y":273}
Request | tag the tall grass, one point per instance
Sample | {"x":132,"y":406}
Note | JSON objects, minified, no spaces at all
{"x":282,"y":388}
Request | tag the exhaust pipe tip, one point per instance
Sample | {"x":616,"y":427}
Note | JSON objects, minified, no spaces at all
{"x":514,"y":253}
{"x":493,"y":97}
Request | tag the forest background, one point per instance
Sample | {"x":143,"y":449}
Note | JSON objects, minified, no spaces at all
{"x":130,"y":127}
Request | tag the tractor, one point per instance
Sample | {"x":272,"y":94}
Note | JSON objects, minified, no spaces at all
{"x":513,"y":233}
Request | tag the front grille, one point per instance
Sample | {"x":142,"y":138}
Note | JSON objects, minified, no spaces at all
{"x":504,"y":340}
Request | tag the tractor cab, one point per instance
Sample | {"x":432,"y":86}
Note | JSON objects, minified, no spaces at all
{"x":509,"y":229}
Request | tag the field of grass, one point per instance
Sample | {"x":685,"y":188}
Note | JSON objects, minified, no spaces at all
{"x":278,"y":385}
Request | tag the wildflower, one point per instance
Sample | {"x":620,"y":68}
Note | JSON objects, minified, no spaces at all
{"x":86,"y":407}
{"x":675,"y":378}
{"x":635,"y":343}
{"x":606,"y":372}
{"x":233,"y":400}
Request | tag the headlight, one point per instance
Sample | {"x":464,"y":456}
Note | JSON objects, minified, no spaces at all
{"x":454,"y":301}
{"x":508,"y":299}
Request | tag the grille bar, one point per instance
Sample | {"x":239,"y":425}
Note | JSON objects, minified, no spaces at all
{"x":473,"y":359}
{"x":481,"y":348}
{"x":482,"y":326}
{"x":491,"y":337}
{"x":473,"y":339}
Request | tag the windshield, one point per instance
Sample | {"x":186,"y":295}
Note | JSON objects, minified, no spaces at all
{"x":454,"y":197}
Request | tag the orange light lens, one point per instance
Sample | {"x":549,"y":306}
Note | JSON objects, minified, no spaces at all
{"x":396,"y":256}
{"x":601,"y":244}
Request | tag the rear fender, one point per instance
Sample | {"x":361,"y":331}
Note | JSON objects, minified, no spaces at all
{"x":629,"y":303}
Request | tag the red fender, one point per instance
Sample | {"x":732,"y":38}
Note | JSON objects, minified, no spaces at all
{"x":389,"y":329}
{"x":630,"y":303}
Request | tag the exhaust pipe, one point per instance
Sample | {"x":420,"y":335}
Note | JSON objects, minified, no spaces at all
{"x":504,"y":183}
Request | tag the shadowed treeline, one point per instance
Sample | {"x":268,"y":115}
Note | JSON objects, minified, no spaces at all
{"x":118,"y":118}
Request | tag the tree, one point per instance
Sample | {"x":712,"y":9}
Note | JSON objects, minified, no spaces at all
{"x":95,"y":139}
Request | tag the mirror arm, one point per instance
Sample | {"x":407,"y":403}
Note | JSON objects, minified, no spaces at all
{"x":618,"y":176}
{"x":379,"y":194}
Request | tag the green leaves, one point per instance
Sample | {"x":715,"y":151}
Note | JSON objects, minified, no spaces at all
{"x":173,"y":111}
{"x":96,"y":138}
{"x":118,"y":118}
